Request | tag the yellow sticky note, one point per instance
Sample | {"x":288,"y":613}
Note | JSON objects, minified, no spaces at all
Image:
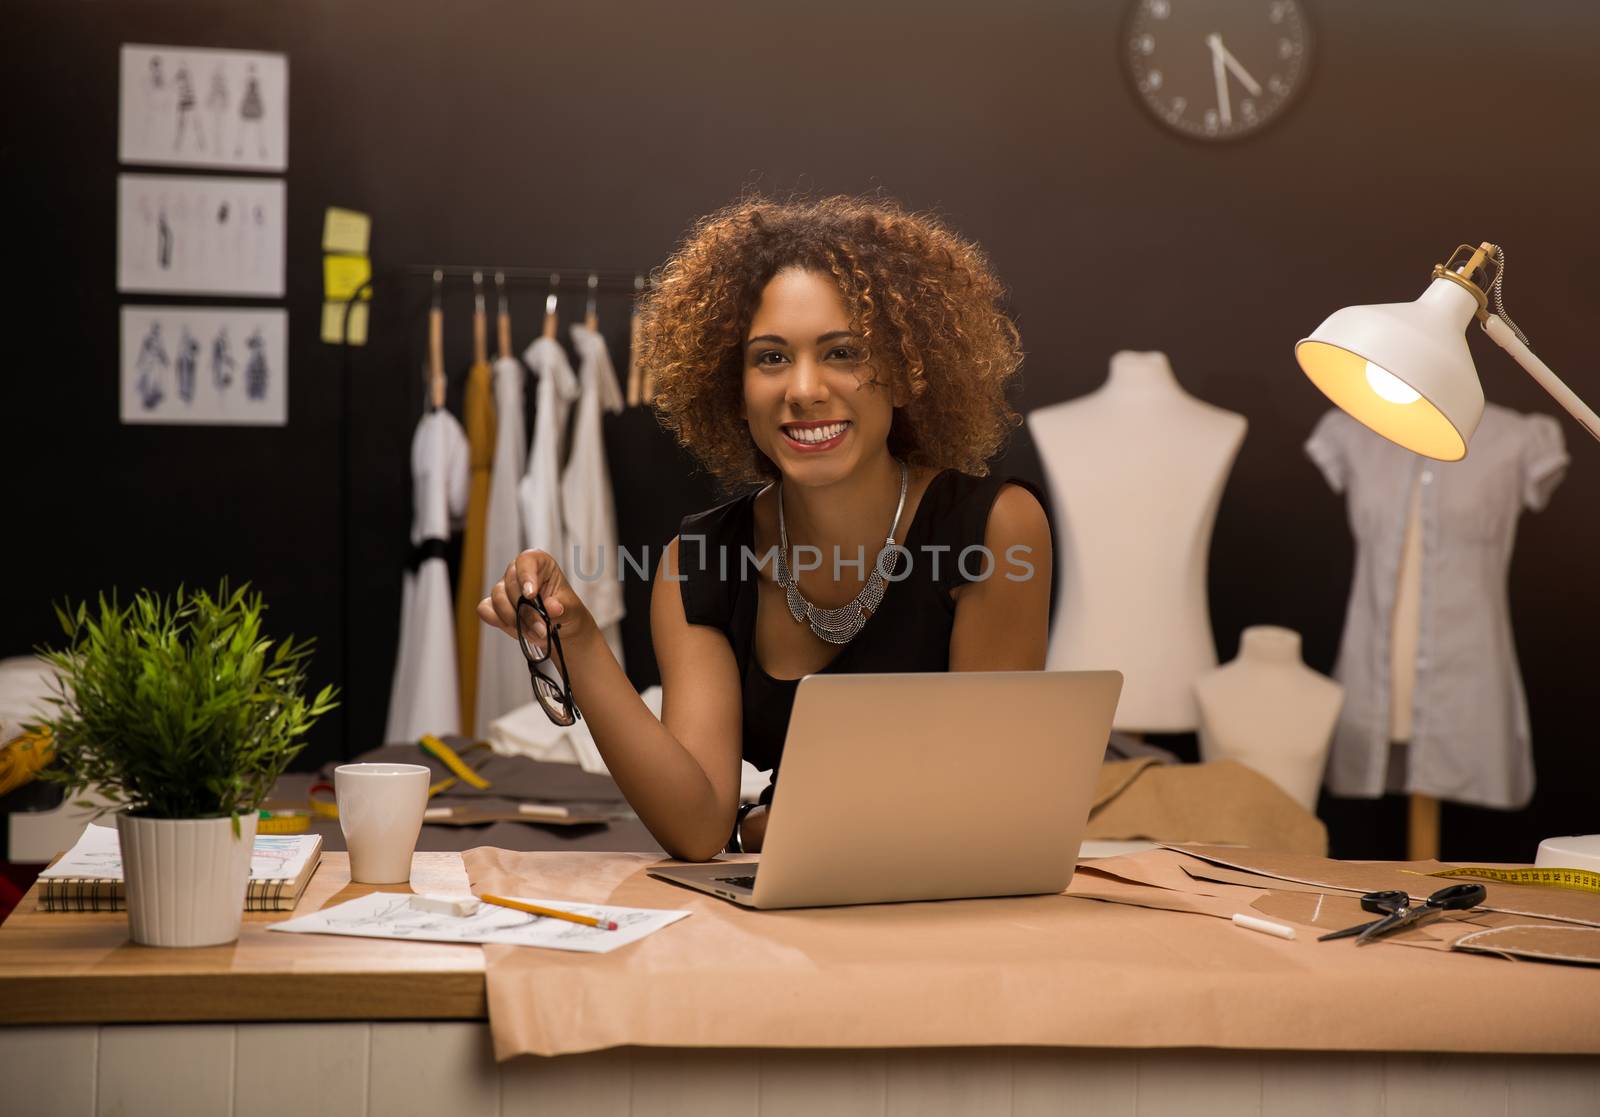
{"x":333,"y":323}
{"x":346,"y":230}
{"x":343,"y":276}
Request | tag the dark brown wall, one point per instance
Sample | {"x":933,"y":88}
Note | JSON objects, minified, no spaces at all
{"x":592,"y":133}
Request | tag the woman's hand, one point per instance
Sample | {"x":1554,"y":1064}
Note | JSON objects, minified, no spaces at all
{"x":536,"y":572}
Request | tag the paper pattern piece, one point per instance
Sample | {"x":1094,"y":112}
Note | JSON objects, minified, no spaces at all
{"x":1579,"y":945}
{"x":184,"y":364}
{"x":1407,"y":876}
{"x":192,"y":107}
{"x":346,"y":231}
{"x":97,"y":854}
{"x":200,"y":235}
{"x":390,"y":915}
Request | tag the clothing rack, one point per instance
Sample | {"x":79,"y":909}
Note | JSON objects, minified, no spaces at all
{"x":572,"y":281}
{"x":557,"y":278}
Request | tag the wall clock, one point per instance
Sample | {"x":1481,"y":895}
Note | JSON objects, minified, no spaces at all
{"x":1217,"y":69}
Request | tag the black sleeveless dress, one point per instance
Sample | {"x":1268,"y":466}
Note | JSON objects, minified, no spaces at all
{"x":909,"y":632}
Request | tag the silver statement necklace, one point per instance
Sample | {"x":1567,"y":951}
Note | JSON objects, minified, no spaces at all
{"x":839,"y":626}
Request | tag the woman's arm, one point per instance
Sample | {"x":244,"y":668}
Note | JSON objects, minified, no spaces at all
{"x":1003,"y":623}
{"x":680,"y":774}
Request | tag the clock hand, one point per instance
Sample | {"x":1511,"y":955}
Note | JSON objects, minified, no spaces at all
{"x":1224,"y":110}
{"x":1239,"y":71}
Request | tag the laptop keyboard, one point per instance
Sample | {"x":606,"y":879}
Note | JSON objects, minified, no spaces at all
{"x":738,"y":882}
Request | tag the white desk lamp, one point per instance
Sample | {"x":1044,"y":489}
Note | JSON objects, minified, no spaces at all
{"x":1404,"y":370}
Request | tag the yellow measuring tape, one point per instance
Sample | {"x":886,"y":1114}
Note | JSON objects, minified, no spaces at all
{"x":430,"y":745}
{"x":283,"y":821}
{"x":1581,"y":880}
{"x":451,"y":760}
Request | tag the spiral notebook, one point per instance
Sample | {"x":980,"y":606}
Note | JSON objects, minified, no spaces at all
{"x":89,"y":876}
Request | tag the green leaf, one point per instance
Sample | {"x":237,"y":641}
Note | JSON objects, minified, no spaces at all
{"x":167,"y":705}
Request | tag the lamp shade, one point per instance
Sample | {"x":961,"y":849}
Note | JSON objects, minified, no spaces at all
{"x":1403,"y":369}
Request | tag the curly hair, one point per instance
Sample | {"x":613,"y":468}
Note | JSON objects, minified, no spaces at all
{"x":922,"y":297}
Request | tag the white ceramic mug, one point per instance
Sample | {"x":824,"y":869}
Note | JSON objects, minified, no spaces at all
{"x":380,"y":812}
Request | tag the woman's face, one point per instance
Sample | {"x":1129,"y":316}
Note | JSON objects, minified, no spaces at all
{"x":808,"y":395}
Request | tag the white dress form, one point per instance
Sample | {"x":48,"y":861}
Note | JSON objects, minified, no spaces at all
{"x":1136,"y":471}
{"x":1269,"y":711}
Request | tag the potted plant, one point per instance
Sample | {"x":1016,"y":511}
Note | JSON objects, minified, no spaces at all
{"x":183,"y":715}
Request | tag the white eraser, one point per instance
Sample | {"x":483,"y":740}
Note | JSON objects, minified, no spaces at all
{"x":1265,"y":926}
{"x":437,"y":812}
{"x":445,"y":905}
{"x":546,"y":810}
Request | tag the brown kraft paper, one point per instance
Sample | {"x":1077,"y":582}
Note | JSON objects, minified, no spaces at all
{"x":1031,"y":971}
{"x":1221,"y":802}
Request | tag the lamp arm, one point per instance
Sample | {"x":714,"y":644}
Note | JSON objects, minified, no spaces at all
{"x":1505,"y":337}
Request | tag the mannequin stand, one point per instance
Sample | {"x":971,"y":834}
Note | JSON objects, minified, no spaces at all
{"x":1422,"y":832}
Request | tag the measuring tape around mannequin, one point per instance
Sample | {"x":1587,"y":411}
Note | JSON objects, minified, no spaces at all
{"x":1580,"y":880}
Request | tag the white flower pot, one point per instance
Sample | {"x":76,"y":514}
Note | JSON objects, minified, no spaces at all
{"x":185,"y":878}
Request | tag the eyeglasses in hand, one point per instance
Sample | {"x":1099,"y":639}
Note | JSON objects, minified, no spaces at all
{"x":554,"y":695}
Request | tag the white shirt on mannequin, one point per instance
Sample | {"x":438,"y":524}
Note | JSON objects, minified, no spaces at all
{"x":1136,"y":471}
{"x":1269,"y":711}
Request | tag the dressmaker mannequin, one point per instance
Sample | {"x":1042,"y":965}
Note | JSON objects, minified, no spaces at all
{"x":1422,"y":830}
{"x":1434,"y":702}
{"x":1136,"y":470}
{"x":1268,"y":710}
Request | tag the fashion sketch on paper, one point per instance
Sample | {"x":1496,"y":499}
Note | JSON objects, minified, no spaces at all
{"x":188,"y":119}
{"x":155,"y":96}
{"x":151,"y":365}
{"x":251,"y":110}
{"x":217,"y":101}
{"x":222,"y":362}
{"x":255,"y":369}
{"x":184,"y":364}
{"x":163,"y":239}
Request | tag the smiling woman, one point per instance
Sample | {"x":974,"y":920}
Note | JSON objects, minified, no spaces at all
{"x":921,"y":312}
{"x":846,"y":362}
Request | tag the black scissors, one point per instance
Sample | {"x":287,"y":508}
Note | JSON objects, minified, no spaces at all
{"x":1398,"y":912}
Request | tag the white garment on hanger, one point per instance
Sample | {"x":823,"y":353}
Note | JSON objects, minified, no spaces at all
{"x":424,"y":697}
{"x":502,"y":672}
{"x":539,"y":494}
{"x":588,"y":510}
{"x":528,"y":731}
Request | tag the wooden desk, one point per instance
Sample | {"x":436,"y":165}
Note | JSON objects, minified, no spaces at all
{"x":368,"y":1027}
{"x":70,"y":967}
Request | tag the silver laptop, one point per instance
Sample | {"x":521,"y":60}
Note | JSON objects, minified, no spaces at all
{"x":926,"y":786}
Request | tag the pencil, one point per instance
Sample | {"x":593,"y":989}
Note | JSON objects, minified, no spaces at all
{"x":553,"y":913}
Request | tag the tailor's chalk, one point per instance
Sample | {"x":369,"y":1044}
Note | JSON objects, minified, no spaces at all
{"x":1265,"y":926}
{"x":543,"y":810}
{"x":445,"y":905}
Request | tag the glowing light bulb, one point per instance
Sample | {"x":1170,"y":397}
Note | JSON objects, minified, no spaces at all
{"x":1390,"y":386}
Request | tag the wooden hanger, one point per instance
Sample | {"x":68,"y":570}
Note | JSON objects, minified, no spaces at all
{"x":436,"y":342}
{"x":591,"y":321}
{"x":647,"y":386}
{"x":634,"y":396}
{"x":480,"y":322}
{"x":503,"y":318}
{"x":550,"y":307}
